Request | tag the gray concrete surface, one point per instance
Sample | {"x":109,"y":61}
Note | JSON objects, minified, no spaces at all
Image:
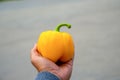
{"x":95,"y":30}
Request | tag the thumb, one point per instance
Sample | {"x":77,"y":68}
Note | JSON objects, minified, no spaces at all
{"x":34,"y":53}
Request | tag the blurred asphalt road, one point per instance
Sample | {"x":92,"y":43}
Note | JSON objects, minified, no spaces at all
{"x":95,"y":30}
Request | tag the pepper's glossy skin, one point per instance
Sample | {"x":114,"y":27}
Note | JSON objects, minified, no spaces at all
{"x":56,"y":46}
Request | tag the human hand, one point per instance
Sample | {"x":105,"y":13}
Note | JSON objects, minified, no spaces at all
{"x":63,"y":70}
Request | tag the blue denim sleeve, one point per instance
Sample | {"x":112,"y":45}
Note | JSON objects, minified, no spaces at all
{"x":46,"y":76}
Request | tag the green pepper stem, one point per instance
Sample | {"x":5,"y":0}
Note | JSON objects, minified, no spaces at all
{"x":61,"y":25}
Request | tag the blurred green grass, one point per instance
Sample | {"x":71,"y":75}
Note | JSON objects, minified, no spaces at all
{"x":7,"y":0}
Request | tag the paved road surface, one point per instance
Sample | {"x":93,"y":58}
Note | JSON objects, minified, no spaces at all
{"x":95,"y":30}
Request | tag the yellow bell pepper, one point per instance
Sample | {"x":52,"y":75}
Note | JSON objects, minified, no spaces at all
{"x":56,"y":45}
